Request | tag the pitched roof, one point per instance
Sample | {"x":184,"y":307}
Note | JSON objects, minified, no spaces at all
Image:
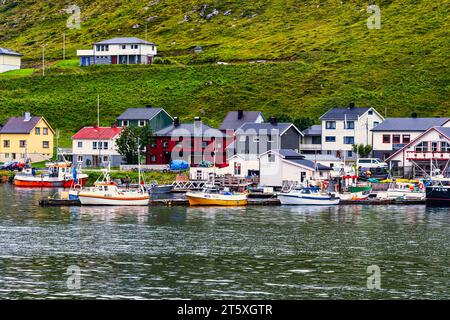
{"x":315,"y":130}
{"x":290,"y":154}
{"x":310,"y":164}
{"x":296,"y":158}
{"x":444,"y":130}
{"x":125,"y":40}
{"x":9,"y":52}
{"x":344,"y":113}
{"x":409,"y":124}
{"x":231,"y":121}
{"x":140,"y":113}
{"x":18,"y":125}
{"x":263,"y":128}
{"x":97,"y":133}
{"x":189,"y":130}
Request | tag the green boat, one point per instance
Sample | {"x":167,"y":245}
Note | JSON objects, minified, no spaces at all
{"x":355,"y":189}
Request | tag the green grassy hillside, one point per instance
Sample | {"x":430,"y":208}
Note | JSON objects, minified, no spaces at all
{"x":320,"y":54}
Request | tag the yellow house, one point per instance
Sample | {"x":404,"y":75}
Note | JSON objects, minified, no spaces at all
{"x":9,"y":60}
{"x":26,"y":137}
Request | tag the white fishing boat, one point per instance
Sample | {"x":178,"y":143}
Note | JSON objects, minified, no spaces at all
{"x":308,"y":196}
{"x":106,"y":193}
{"x":403,"y":190}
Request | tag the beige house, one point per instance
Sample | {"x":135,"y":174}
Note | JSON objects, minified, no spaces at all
{"x":9,"y":60}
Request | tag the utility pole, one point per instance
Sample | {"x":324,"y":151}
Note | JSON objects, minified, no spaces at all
{"x":98,"y":110}
{"x":64,"y":45}
{"x":43,"y":60}
{"x":146,"y":32}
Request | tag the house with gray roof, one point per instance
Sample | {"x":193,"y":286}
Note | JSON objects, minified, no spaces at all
{"x":253,"y":139}
{"x":235,"y":119}
{"x":312,"y":140}
{"x":344,"y":127}
{"x":394,"y":133}
{"x":125,"y":50}
{"x":9,"y":60}
{"x":156,"y":118}
{"x":283,"y":167}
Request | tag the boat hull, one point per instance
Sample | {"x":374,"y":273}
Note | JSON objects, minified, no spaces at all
{"x":286,"y":199}
{"x":216,"y":200}
{"x":36,"y":182}
{"x":90,"y":199}
{"x":438,"y":196}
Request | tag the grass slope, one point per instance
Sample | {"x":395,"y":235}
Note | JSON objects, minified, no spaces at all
{"x":322,"y":51}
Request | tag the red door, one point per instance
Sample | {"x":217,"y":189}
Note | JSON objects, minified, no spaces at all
{"x":114,"y":59}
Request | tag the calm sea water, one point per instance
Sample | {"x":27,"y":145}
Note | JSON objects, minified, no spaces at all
{"x":219,"y":253}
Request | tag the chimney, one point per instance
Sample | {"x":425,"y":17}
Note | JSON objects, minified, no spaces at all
{"x":414,"y":115}
{"x":148,"y":106}
{"x":176,"y":122}
{"x":114,"y":125}
{"x":273,"y":120}
{"x":351,"y":105}
{"x":240,"y":114}
{"x":27,"y":117}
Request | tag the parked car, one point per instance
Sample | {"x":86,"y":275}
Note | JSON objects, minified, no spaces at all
{"x":379,"y":173}
{"x":371,"y":163}
{"x":12,"y":166}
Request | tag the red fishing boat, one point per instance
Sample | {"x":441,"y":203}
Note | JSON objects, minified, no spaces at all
{"x":57,"y":175}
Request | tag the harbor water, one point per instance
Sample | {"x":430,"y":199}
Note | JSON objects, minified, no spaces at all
{"x":221,"y":253}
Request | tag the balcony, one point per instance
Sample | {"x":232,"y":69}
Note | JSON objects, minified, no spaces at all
{"x":428,"y":155}
{"x":316,"y":147}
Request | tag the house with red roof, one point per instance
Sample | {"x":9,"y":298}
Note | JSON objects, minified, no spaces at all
{"x":96,"y":147}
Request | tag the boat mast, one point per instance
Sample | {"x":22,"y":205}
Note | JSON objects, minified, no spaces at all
{"x":139,"y":159}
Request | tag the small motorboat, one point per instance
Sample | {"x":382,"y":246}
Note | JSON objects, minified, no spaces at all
{"x":356,"y":193}
{"x":56,"y":175}
{"x":106,"y":193}
{"x":404,"y":191}
{"x":156,"y":188}
{"x":308,"y":196}
{"x":438,"y":192}
{"x":216,"y":197}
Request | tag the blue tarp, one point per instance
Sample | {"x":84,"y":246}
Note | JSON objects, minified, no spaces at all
{"x":179,"y":165}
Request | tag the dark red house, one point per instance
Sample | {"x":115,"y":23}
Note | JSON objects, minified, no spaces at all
{"x":191,"y":142}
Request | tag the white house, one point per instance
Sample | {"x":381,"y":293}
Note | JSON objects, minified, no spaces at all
{"x":9,"y":60}
{"x":287,"y":167}
{"x":394,"y":133}
{"x":423,"y":155}
{"x":344,"y":127}
{"x":119,"y":51}
{"x":96,"y":146}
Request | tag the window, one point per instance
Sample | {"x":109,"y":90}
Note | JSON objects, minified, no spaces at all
{"x":422,"y":147}
{"x":330,"y":139}
{"x":406,"y":138}
{"x":45,"y":144}
{"x":165,"y":144}
{"x":271,"y":157}
{"x":7,"y":155}
{"x":329,"y":152}
{"x":80,"y":144}
{"x":375,"y":123}
{"x":22,"y":143}
{"x":6,"y":144}
{"x":134,"y":46}
{"x":349,"y":140}
{"x":445,"y":146}
{"x":37,"y":131}
{"x":237,"y":169}
{"x":124,"y":47}
{"x":45,"y":131}
{"x":386,"y":138}
{"x":153,"y":145}
{"x":142,"y":123}
{"x":204,"y":144}
{"x":434,"y":146}
{"x":153,"y":158}
{"x":125,"y":123}
{"x":105,"y":146}
{"x":396,"y":138}
{"x":105,"y":159}
{"x":330,"y":125}
{"x":370,"y":112}
{"x":80,"y":158}
{"x":350,"y":125}
{"x":255,"y":139}
{"x":94,"y":145}
{"x":349,"y":154}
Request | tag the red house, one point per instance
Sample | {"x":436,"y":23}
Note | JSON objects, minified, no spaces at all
{"x":191,"y":142}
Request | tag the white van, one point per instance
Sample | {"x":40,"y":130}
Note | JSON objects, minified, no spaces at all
{"x":371,"y":163}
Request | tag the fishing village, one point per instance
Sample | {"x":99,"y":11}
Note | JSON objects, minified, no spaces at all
{"x":355,"y":156}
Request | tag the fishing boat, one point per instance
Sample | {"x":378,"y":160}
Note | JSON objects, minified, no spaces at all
{"x":438,"y":192}
{"x":308,"y":196}
{"x":216,"y":197}
{"x":156,"y":188}
{"x":57,"y":175}
{"x":356,"y":193}
{"x":413,"y":190}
